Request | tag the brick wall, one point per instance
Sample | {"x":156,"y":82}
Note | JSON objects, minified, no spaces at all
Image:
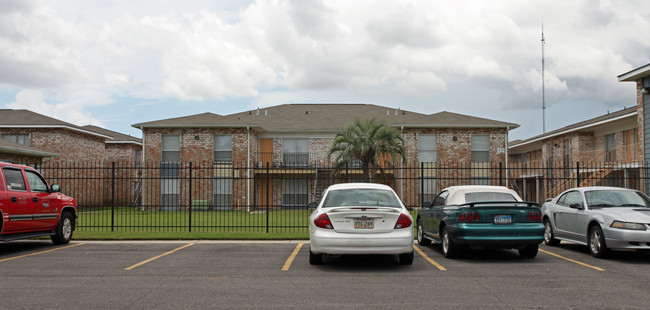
{"x":71,"y":145}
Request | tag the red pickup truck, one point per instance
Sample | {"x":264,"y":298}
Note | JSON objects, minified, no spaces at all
{"x":31,"y":208}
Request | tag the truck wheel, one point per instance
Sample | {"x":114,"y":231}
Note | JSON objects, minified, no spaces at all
{"x":63,"y":232}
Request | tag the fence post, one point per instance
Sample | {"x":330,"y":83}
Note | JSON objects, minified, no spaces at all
{"x":267,"y":197}
{"x":347,"y":174}
{"x":190,"y":199}
{"x":421,"y":183}
{"x":577,"y":174}
{"x":500,"y":174}
{"x":113,"y":196}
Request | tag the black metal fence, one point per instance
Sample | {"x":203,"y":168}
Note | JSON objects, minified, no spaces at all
{"x":235,"y":197}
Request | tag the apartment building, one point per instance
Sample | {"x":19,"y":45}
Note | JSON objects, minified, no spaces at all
{"x":291,"y":142}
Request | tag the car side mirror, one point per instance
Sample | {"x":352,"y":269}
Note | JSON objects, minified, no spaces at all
{"x":576,"y":206}
{"x":312,"y":205}
{"x":549,"y":199}
{"x":426,"y":204}
{"x":55,"y":188}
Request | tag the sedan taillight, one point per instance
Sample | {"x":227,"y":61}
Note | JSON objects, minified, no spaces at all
{"x":323,"y":221}
{"x":403,"y":222}
{"x":533,"y":216}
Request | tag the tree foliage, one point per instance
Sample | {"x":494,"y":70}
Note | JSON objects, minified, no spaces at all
{"x":365,"y":144}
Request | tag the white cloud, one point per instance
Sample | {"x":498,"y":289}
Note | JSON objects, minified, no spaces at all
{"x":34,"y":100}
{"x":83,"y":54}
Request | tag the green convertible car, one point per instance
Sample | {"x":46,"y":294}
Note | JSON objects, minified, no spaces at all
{"x":480,"y":217}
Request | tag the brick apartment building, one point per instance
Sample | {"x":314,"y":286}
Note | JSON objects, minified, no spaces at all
{"x":66,"y":153}
{"x":293,"y":140}
{"x":606,"y":146}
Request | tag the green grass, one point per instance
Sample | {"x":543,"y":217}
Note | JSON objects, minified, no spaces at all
{"x":137,"y":235}
{"x":133,"y":224}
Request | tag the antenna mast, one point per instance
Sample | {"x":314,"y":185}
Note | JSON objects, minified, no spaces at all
{"x":543,"y":97}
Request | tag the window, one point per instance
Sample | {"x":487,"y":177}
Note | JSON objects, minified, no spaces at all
{"x":223,"y":148}
{"x":428,"y":190}
{"x":294,"y":192}
{"x":427,"y":148}
{"x":222,"y":194}
{"x":295,"y":152}
{"x":480,"y":148}
{"x":489,"y":196}
{"x":171,"y":155}
{"x":441,"y":199}
{"x":36,"y":183}
{"x":571,"y":198}
{"x":14,"y":179}
{"x":20,"y":139}
{"x":170,"y":170}
{"x":610,"y":147}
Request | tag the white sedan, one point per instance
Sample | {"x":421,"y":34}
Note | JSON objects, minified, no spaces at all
{"x":602,"y":218}
{"x":360,"y":218}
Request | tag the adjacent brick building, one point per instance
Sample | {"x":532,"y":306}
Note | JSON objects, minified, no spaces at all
{"x":607,"y":147}
{"x":294,"y":140}
{"x":68,"y":154}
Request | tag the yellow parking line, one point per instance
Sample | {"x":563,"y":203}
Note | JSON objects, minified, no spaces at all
{"x":41,"y":252}
{"x":289,"y":261}
{"x":573,"y":261}
{"x":159,"y":256}
{"x":433,"y":262}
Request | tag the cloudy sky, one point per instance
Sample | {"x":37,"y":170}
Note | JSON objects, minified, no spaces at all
{"x":116,"y":63}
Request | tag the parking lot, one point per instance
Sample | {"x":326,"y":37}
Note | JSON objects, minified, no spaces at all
{"x":277,"y":274}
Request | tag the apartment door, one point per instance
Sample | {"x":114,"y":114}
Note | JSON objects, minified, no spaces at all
{"x":266,"y":192}
{"x":266,"y":152}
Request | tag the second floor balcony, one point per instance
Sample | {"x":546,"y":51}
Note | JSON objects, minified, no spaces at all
{"x":287,"y":160}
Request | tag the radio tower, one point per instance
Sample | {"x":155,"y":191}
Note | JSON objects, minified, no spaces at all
{"x":543,"y":98}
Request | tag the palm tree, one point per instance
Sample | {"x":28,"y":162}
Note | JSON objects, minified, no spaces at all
{"x":366,"y":143}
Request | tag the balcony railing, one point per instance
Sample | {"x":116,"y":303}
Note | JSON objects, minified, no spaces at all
{"x":287,"y":160}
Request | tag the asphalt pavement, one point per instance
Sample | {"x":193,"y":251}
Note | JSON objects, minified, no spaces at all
{"x":277,"y":275}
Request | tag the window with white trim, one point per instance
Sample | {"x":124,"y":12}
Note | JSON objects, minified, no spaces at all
{"x":427,"y":148}
{"x":223,"y":148}
{"x":480,"y":148}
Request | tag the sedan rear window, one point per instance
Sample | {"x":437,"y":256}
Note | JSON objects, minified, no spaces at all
{"x":361,"y":197}
{"x":489,"y":196}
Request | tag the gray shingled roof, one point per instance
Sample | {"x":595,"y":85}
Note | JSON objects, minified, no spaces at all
{"x":324,"y":117}
{"x":116,"y":137}
{"x":628,"y":112}
{"x":8,"y":147}
{"x":28,"y":119}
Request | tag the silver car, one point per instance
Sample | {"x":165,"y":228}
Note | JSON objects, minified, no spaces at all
{"x":602,"y":218}
{"x":360,"y":218}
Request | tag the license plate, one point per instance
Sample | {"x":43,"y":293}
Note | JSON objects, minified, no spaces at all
{"x":364,"y":223}
{"x":502,"y":219}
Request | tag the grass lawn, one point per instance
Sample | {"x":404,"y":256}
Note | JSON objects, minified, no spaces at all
{"x":134,"y":224}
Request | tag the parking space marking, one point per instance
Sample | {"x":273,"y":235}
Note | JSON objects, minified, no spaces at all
{"x":433,"y":262}
{"x":159,"y":256}
{"x":573,"y":261}
{"x":41,"y":252}
{"x":289,"y":261}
